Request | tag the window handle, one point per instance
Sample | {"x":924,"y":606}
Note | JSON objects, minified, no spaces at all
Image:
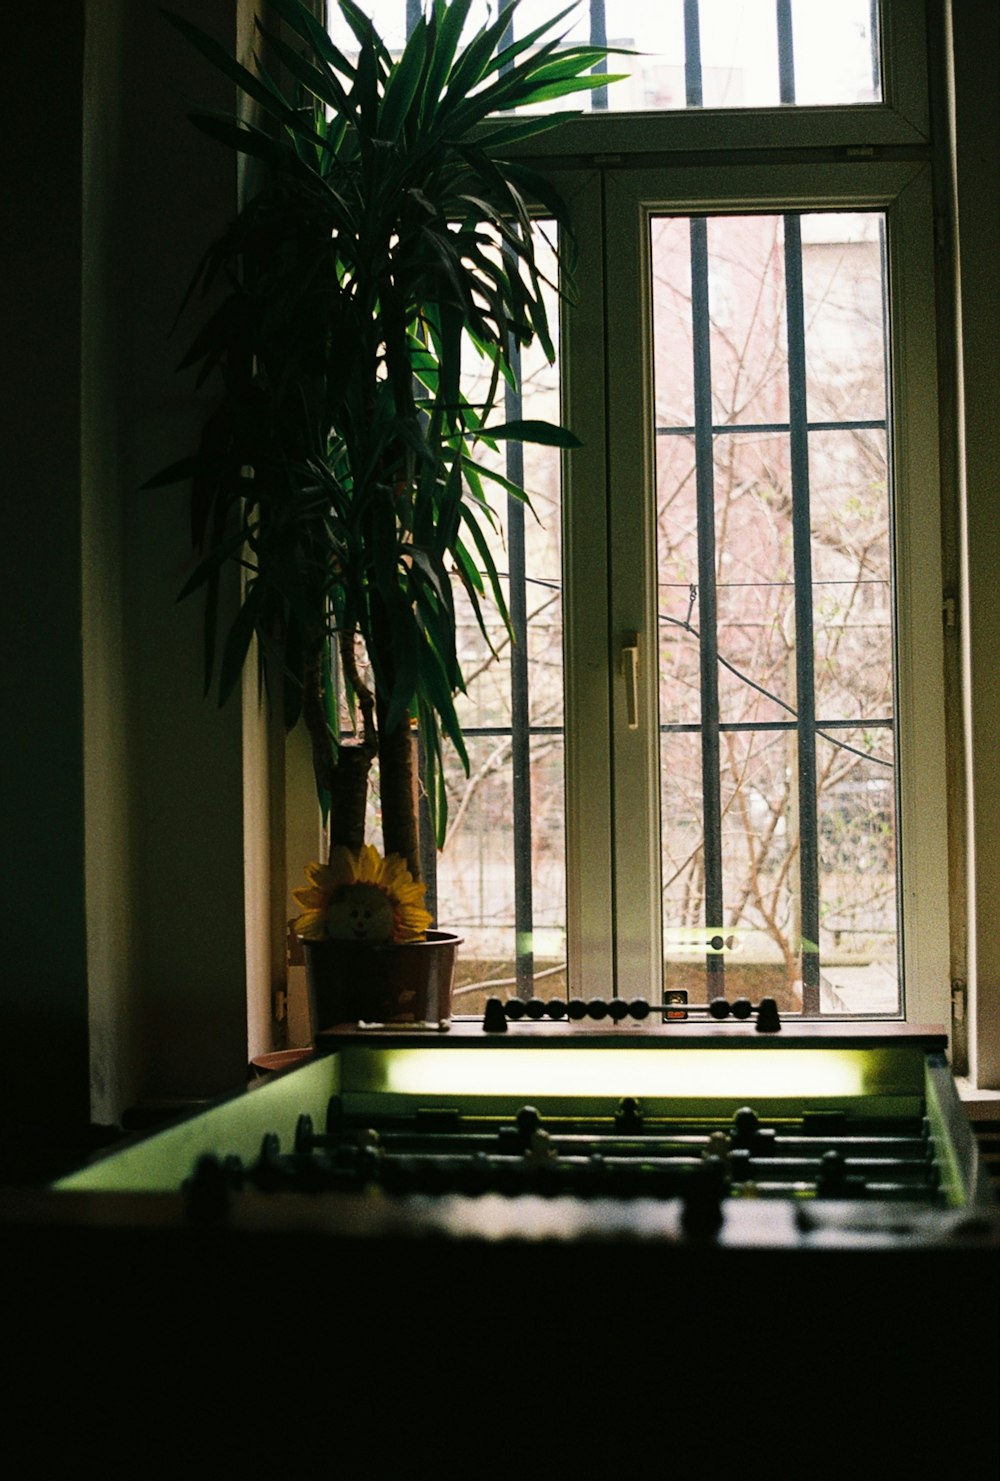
{"x":630,"y":669}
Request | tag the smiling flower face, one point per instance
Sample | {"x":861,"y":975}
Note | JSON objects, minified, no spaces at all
{"x":361,"y":897}
{"x":360,"y":912}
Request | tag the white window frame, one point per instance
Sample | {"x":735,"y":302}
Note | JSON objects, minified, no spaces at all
{"x":614,"y":915}
{"x":870,"y":155}
{"x":621,"y":169}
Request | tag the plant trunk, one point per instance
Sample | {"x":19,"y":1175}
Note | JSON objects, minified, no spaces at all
{"x":397,"y":766}
{"x":341,"y":770}
{"x":324,"y":748}
{"x":349,"y":789}
{"x":349,"y":796}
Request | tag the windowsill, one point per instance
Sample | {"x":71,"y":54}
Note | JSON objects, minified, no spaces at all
{"x":985,"y":1104}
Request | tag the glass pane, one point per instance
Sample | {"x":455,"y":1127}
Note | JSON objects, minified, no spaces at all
{"x":506,"y":839}
{"x":500,"y":879}
{"x":775,"y":609}
{"x":857,"y":830}
{"x":695,"y":53}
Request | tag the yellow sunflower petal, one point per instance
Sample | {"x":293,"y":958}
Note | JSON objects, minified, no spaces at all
{"x":410,"y":923}
{"x":310,"y":897}
{"x":395,"y":874}
{"x":369,"y":866}
{"x":409,"y":894}
{"x":310,"y":925}
{"x":392,"y":876}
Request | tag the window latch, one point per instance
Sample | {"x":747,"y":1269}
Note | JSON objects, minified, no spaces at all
{"x":630,"y":669}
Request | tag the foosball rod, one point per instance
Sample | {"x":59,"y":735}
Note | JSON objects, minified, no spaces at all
{"x":499,"y":1010}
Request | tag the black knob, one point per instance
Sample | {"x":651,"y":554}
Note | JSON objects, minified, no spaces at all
{"x":208,"y":1191}
{"x":742,"y":1008}
{"x":704,"y":1190}
{"x":535,"y":1008}
{"x":597,"y":1008}
{"x":739,"y":1165}
{"x":745,"y":1126}
{"x":556,"y":1008}
{"x":494,"y":1018}
{"x":514,"y":1008}
{"x":719,"y":1008}
{"x":618,"y":1009}
{"x":831,"y":1180}
{"x":768,"y":1020}
{"x":304,"y":1133}
{"x":270,"y":1171}
{"x":576,"y":1008}
{"x":628,"y":1117}
{"x":639,"y":1008}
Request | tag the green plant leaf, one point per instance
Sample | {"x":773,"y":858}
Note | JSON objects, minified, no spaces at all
{"x":548,"y":434}
{"x":383,"y":236}
{"x":178,"y":472}
{"x":323,"y":84}
{"x":404,"y":82}
{"x":301,"y":20}
{"x":446,"y":24}
{"x":238,"y":640}
{"x":246,"y":139}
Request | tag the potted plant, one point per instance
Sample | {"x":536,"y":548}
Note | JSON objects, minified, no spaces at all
{"x":341,"y":466}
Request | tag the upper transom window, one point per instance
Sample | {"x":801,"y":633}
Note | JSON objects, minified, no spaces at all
{"x":681,"y":54}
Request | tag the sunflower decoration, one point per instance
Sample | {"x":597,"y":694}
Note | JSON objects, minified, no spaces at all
{"x":361,"y":897}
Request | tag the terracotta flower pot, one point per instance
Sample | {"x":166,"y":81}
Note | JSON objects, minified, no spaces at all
{"x":405,"y":984}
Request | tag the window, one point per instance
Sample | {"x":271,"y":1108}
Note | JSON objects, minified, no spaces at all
{"x":747,"y":53}
{"x":714,"y":751}
{"x":774,"y":611}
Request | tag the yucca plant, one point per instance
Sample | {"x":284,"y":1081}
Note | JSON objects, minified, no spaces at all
{"x":342,"y":467}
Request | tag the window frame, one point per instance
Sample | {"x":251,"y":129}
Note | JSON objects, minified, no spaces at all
{"x":626,"y":917}
{"x":900,"y":120}
{"x":874,"y":155}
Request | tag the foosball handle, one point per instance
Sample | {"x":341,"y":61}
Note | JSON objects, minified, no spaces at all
{"x":701,"y":1215}
{"x":208,"y":1191}
{"x":494,"y":1017}
{"x":768,"y":1018}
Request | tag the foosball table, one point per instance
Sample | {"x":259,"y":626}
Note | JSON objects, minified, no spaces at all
{"x":703,"y":1130}
{"x":524,"y":1210}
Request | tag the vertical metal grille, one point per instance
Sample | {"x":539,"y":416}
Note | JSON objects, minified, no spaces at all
{"x":703,"y":435}
{"x":705,"y":480}
{"x":804,"y":665}
{"x":707,"y":595}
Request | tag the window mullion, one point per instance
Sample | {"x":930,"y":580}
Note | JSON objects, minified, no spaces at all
{"x":520,"y":717}
{"x":599,"y":37}
{"x":786,"y":51}
{"x":707,"y":594}
{"x":588,"y":674}
{"x":631,"y":486}
{"x":805,"y":679}
{"x":692,"y":54}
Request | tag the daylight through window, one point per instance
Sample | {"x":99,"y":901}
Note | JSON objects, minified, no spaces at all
{"x":729,"y":815}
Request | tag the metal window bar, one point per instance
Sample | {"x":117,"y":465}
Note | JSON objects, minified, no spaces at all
{"x":705,"y":498}
{"x":704,"y":435}
{"x":599,"y":37}
{"x":805,"y":678}
{"x":520,"y":717}
{"x":521,"y":727}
